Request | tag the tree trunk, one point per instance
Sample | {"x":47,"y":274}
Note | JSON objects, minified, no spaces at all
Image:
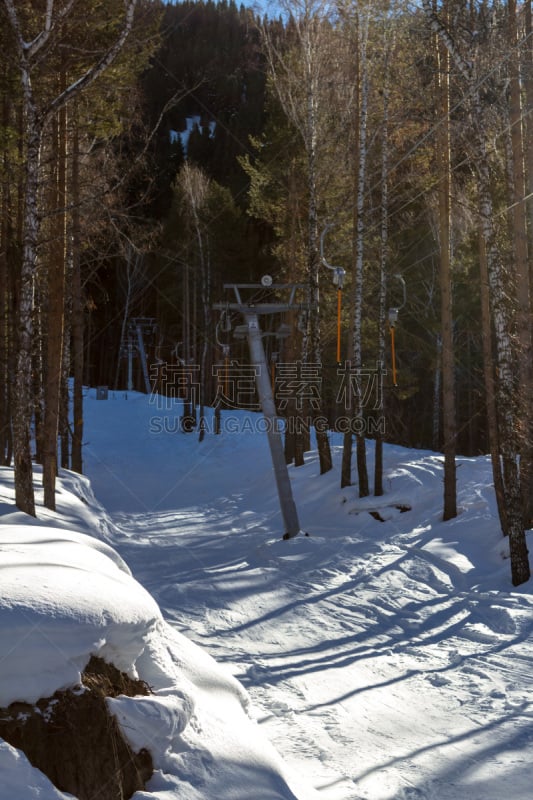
{"x":528,"y":119}
{"x":5,"y":299}
{"x":56,"y":307}
{"x":64,"y":403}
{"x":436,"y":438}
{"x":295,"y":445}
{"x":523,"y":288}
{"x":314,"y":354}
{"x":206,"y":308}
{"x":501,"y":318}
{"x":347,"y":439}
{"x":299,"y":92}
{"x":448,"y":366}
{"x":505,"y":390}
{"x":131,"y":278}
{"x":490,"y":392}
{"x":362,"y":471}
{"x":22,"y":396}
{"x":383,"y":262}
{"x":34,"y":120}
{"x":77,"y":307}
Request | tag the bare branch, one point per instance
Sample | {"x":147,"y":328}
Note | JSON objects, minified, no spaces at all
{"x":29,"y":49}
{"x":97,"y":69}
{"x":438,"y":28}
{"x":49,"y":25}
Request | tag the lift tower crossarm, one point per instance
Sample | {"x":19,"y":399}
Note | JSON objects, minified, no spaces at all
{"x":261,"y":307}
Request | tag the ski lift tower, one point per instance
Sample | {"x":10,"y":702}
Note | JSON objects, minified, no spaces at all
{"x":251,"y":310}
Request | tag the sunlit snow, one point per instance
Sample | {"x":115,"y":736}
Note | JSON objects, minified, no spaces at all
{"x":388,"y":660}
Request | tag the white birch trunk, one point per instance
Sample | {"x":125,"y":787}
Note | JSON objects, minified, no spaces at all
{"x":359,"y":260}
{"x":22,"y":396}
{"x":501,"y":319}
{"x":522,"y":270}
{"x":505,"y":388}
{"x":28,"y":53}
{"x":447,"y":361}
{"x":383,"y":268}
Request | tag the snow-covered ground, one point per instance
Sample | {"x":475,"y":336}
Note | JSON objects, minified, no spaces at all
{"x":388,"y":660}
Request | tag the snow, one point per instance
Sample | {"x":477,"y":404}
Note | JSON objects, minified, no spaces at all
{"x":388,"y":660}
{"x":63,"y":598}
{"x":190,"y":124}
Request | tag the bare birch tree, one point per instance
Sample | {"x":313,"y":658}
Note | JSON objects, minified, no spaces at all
{"x":33,"y":41}
{"x":194,"y":185}
{"x":501,"y":313}
{"x":299,"y":74}
{"x":443,"y":147}
{"x":384,"y":250}
{"x":362,"y":25}
{"x":521,"y":261}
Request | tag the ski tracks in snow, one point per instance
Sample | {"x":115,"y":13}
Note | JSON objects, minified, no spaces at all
{"x":371,"y":652}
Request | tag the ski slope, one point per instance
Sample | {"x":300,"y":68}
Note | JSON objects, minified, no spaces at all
{"x":386,"y":655}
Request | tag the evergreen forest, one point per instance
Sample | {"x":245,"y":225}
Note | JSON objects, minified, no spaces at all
{"x":377,"y":156}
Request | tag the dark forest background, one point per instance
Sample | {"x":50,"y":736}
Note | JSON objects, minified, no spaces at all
{"x":151,"y":153}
